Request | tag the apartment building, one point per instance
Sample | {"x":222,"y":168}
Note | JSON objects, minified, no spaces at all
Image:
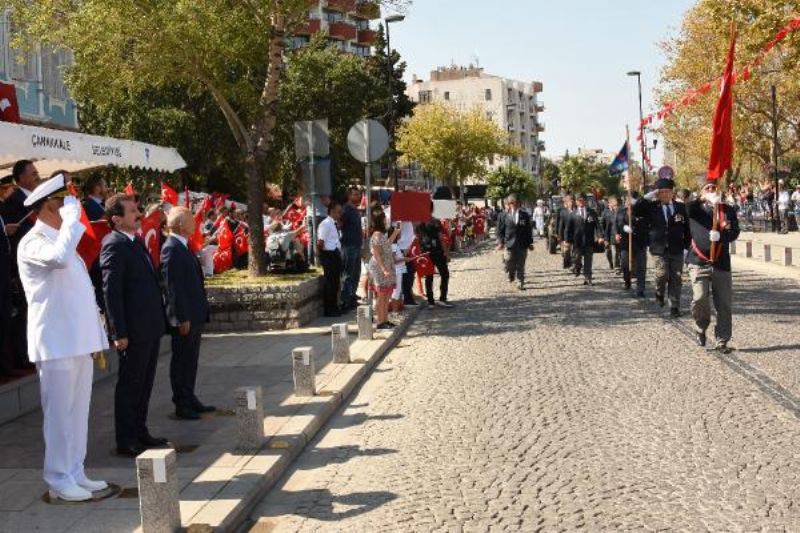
{"x":513,"y":105}
{"x":347,"y":23}
{"x":37,"y":74}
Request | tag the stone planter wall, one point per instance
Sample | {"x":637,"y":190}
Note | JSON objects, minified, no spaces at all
{"x":264,"y":308}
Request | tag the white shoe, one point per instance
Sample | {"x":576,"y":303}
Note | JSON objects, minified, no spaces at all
{"x":91,"y":485}
{"x":71,"y":494}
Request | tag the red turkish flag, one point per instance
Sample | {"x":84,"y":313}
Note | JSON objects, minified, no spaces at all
{"x":89,"y":246}
{"x":722,"y":139}
{"x":197,"y":240}
{"x":168,"y":194}
{"x":225,"y":237}
{"x":241,"y":246}
{"x":411,"y":206}
{"x":129,"y":190}
{"x":9,"y":108}
{"x":150,"y":233}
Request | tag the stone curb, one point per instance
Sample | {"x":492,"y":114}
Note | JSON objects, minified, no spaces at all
{"x":223,"y":495}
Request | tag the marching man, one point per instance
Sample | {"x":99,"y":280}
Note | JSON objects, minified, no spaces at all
{"x":64,"y":330}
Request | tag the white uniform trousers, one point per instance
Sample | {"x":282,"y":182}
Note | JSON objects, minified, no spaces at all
{"x":66,"y":391}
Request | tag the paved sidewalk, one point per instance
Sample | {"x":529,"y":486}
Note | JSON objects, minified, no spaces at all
{"x":227,"y":361}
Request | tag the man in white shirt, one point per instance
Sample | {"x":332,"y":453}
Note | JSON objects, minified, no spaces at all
{"x":64,"y":331}
{"x":330,"y":256}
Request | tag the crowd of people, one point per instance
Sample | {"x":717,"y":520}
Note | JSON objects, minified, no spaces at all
{"x":677,"y":229}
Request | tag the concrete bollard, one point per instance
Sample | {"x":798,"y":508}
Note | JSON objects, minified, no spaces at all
{"x":748,"y":252}
{"x":340,"y":344}
{"x":768,"y":253}
{"x":303,"y":370}
{"x":157,"y":474}
{"x":250,"y":417}
{"x":787,"y":256}
{"x":733,"y":248}
{"x":364,"y":316}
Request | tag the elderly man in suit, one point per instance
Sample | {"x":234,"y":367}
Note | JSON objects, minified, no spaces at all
{"x":515,"y":238}
{"x":583,"y":230}
{"x":187,"y":312}
{"x":135,"y":315}
{"x":64,"y":331}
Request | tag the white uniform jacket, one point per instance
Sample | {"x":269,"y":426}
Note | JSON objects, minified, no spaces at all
{"x":63,"y":319}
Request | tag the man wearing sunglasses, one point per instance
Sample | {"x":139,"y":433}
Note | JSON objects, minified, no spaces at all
{"x":713,"y":226}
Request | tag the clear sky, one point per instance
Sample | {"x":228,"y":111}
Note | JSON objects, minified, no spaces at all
{"x":580,"y":49}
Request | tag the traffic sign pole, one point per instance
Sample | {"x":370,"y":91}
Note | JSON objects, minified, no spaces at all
{"x":368,"y":182}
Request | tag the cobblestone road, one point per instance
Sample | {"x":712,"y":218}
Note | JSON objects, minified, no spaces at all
{"x":562,"y":408}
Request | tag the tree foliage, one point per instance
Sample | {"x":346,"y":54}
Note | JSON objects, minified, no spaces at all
{"x":511,"y":180}
{"x":696,"y":54}
{"x":450,"y":144}
{"x":582,"y":174}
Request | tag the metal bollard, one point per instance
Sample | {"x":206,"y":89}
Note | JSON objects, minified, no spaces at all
{"x":748,"y":252}
{"x":303,"y":370}
{"x":768,"y":253}
{"x":157,"y":474}
{"x":250,"y":417}
{"x":340,"y":344}
{"x":733,"y":248}
{"x":787,"y":256}
{"x":364,"y":316}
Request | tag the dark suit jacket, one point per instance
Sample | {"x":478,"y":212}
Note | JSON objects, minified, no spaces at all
{"x":93,"y":210}
{"x":132,"y":290}
{"x":639,"y":226}
{"x":512,"y":235}
{"x":607,"y":220}
{"x":13,"y":211}
{"x":700,"y":224}
{"x":667,"y":238}
{"x":580,"y":233}
{"x":562,"y":219}
{"x":184,"y":284}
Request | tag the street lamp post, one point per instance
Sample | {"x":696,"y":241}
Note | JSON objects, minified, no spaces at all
{"x":638,"y":76}
{"x":390,"y":74}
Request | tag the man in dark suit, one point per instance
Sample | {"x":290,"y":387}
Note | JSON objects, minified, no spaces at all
{"x":631,"y":238}
{"x":608,"y":219}
{"x":94,"y":197}
{"x":187,"y":312}
{"x":562,"y":219}
{"x":135,"y":315}
{"x":515,"y":238}
{"x":583,"y":230}
{"x":669,"y":238}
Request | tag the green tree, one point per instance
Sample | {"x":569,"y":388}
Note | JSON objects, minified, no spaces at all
{"x":232,"y":51}
{"x":581,"y":174}
{"x":452,"y":145}
{"x":511,"y":180}
{"x":550,"y":175}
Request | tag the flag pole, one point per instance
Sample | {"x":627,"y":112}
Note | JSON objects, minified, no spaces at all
{"x":630,"y":202}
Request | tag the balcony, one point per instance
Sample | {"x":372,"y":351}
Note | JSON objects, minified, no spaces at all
{"x":344,"y":6}
{"x":541,"y":146}
{"x":368,"y":10}
{"x":367,"y":37}
{"x":540,"y":127}
{"x":310,"y":27}
{"x":343,"y":31}
{"x":538,"y":87}
{"x":539,"y":107}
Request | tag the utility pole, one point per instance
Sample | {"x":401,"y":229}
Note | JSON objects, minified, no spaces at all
{"x":390,"y":81}
{"x":638,"y":76}
{"x":775,"y":148}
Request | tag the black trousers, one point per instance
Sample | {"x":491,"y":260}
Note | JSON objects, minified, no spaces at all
{"x":408,"y":283}
{"x":612,"y":255}
{"x":566,"y":255}
{"x":332,"y":268}
{"x":440,"y":262}
{"x":137,"y":370}
{"x":183,"y":367}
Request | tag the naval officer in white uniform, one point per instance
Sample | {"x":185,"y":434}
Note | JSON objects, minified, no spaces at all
{"x":64,"y":330}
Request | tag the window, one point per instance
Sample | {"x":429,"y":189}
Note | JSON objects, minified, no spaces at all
{"x":362,"y":24}
{"x":296,"y":41}
{"x":488,"y":95}
{"x":447,"y":95}
{"x":333,"y":16}
{"x":425,"y":97}
{"x":510,"y":95}
{"x":53,"y":64}
{"x":361,"y":50}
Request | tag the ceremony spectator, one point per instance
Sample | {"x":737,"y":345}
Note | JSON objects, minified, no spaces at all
{"x":135,"y":317}
{"x":187,"y":312}
{"x":64,"y":331}
{"x":329,"y":248}
{"x":94,"y":197}
{"x":430,"y":239}
{"x":381,"y":268}
{"x":352,"y":243}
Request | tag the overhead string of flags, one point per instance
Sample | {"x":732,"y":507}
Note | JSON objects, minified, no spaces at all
{"x":691,"y":96}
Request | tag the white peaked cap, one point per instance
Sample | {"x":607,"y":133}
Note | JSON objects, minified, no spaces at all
{"x":46,"y":189}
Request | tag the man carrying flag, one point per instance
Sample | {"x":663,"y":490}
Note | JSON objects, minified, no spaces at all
{"x":713,"y":226}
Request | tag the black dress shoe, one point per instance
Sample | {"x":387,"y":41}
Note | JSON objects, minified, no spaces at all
{"x":130,"y":451}
{"x":701,"y":339}
{"x":660,"y":299}
{"x":149,"y":441}
{"x":200,"y":408}
{"x":674,"y":313}
{"x":187,"y":414}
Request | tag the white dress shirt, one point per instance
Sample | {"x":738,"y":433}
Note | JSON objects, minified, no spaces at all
{"x":668,"y":210}
{"x":63,"y":319}
{"x":329,"y":235}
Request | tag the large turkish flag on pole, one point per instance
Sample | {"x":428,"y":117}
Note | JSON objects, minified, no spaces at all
{"x":722,"y":139}
{"x":9,"y":108}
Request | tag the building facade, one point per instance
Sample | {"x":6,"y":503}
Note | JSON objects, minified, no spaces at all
{"x":346,"y":22}
{"x":37,"y":72}
{"x":513,"y":105}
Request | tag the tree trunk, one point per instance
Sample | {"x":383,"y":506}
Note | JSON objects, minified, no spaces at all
{"x":255,"y":208}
